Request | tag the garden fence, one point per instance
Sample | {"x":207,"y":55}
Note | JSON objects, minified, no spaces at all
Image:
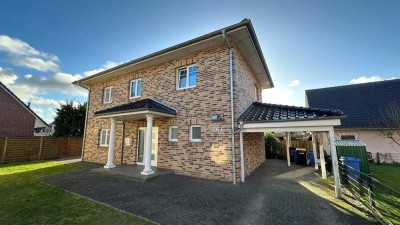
{"x":389,"y":158}
{"x":18,"y":149}
{"x":381,"y":199}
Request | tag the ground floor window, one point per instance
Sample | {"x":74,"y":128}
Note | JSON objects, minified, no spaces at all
{"x":173,"y":133}
{"x":195,"y":133}
{"x":104,"y":137}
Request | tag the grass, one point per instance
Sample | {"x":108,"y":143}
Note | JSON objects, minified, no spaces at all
{"x":26,"y":200}
{"x":387,"y":200}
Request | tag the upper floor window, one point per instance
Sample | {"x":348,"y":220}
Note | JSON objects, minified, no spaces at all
{"x":107,"y":96}
{"x":135,"y":89}
{"x":187,"y":77}
{"x":348,"y":136}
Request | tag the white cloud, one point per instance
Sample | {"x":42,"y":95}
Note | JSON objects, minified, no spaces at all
{"x":294,"y":83}
{"x":105,"y":66}
{"x":22,"y":54}
{"x":283,"y":96}
{"x":364,"y":79}
{"x":7,"y":76}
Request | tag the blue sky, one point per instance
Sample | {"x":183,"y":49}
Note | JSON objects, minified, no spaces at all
{"x":45,"y":45}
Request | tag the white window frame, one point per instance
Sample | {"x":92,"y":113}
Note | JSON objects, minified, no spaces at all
{"x":107,"y":141}
{"x":191,"y":132}
{"x":130,"y":89}
{"x":187,"y":77}
{"x":170,"y":133}
{"x":104,"y":94}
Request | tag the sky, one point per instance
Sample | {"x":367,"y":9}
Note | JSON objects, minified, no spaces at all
{"x":46,"y":45}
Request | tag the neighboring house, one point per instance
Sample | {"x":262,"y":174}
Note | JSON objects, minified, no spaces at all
{"x":363,"y":105}
{"x":16,"y":118}
{"x":178,"y":108}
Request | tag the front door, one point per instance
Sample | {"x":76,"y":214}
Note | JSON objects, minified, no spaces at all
{"x":142,"y":145}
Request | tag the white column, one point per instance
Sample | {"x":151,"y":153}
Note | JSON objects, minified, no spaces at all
{"x":241,"y":156}
{"x":335,"y":165}
{"x":314,"y":145}
{"x":111,"y":144}
{"x":322,"y":160}
{"x":147,"y":151}
{"x":287,"y":147}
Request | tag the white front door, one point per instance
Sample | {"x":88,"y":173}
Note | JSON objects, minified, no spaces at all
{"x":141,"y":145}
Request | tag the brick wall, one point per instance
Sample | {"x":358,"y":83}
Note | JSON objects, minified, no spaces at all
{"x":15,"y":119}
{"x":210,"y":158}
{"x":246,"y":91}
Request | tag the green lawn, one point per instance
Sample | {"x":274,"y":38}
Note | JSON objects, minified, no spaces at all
{"x":387,"y":200}
{"x":26,"y":200}
{"x":387,"y":174}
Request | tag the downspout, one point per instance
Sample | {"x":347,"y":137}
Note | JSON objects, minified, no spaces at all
{"x":232,"y":109}
{"x":122,"y":142}
{"x":84,"y":130}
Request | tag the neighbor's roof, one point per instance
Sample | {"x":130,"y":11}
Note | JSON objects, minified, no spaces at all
{"x":21,"y":102}
{"x":361,"y":103}
{"x":349,"y":142}
{"x":242,"y":34}
{"x":141,"y":105}
{"x":258,"y":112}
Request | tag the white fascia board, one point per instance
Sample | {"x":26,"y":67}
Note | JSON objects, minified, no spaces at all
{"x":288,"y":129}
{"x":116,"y":115}
{"x":286,"y":124}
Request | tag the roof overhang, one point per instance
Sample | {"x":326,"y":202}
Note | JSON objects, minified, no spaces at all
{"x":135,"y":115}
{"x":242,"y":34}
{"x":292,"y":125}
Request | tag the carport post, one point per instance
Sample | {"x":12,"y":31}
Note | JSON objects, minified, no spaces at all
{"x":335,"y":164}
{"x":314,"y":146}
{"x":287,"y":147}
{"x":322,"y":161}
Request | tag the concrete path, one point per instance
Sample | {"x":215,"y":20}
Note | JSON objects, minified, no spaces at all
{"x":274,"y":194}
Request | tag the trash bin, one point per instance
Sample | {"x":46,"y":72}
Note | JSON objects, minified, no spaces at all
{"x":301,"y":157}
{"x":293,"y":155}
{"x":352,"y":166}
{"x":311,"y":157}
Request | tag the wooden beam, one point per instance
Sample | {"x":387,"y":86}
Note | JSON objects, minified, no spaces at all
{"x":335,"y":164}
{"x":314,"y":144}
{"x":322,"y":160}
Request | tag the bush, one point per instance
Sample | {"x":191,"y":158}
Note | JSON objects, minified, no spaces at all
{"x":272,"y":146}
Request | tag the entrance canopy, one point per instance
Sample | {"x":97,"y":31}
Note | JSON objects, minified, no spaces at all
{"x":137,"y":110}
{"x":263,"y":117}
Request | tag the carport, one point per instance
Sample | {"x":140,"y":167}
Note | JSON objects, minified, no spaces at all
{"x":263,"y":117}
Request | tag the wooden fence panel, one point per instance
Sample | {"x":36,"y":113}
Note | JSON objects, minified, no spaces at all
{"x":33,"y":148}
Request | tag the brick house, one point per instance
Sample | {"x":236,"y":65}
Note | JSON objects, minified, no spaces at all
{"x":16,"y":118}
{"x":182,"y":108}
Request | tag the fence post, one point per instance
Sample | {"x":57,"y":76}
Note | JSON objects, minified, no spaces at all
{"x":40,"y":148}
{"x":3,"y":157}
{"x":378,"y":160}
{"x":68,"y":145}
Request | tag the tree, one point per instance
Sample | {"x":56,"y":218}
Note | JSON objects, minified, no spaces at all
{"x":70,"y":119}
{"x":389,"y":118}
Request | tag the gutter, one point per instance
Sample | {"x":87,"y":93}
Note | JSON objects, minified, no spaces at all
{"x":232,"y":108}
{"x":85,"y":128}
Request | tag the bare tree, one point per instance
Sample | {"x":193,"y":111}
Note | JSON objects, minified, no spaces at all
{"x":389,"y":118}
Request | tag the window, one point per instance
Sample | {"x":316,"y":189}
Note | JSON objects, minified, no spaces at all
{"x":107,"y":95}
{"x":195,"y":133}
{"x":348,"y":137}
{"x":173,"y":133}
{"x":187,"y":77}
{"x":136,"y":88}
{"x":104,"y":137}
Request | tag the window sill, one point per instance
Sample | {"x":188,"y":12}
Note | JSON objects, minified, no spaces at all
{"x":103,"y":146}
{"x":134,"y":97}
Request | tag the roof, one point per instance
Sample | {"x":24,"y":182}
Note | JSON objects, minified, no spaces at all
{"x":350,"y":142}
{"x":145,"y":104}
{"x":21,"y":102}
{"x":242,"y":34}
{"x":361,"y":103}
{"x":259,"y":112}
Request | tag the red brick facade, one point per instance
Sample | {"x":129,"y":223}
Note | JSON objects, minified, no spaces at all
{"x":15,"y":119}
{"x":212,"y":157}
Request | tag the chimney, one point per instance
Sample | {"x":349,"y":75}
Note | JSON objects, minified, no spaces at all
{"x":29,"y":105}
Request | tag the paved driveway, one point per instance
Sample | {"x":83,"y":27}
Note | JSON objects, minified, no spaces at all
{"x":274,"y":194}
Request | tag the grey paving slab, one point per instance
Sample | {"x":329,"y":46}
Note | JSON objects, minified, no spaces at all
{"x":273,"y":194}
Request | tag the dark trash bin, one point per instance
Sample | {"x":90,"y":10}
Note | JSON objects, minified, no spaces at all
{"x":301,"y":157}
{"x":293,"y":155}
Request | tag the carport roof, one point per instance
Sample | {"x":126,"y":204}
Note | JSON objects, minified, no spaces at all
{"x":265,"y":112}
